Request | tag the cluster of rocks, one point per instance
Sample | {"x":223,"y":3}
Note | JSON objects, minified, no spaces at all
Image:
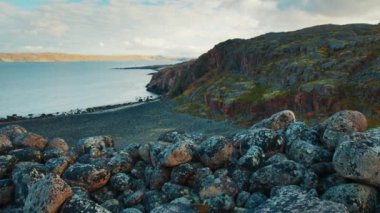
{"x":277,"y":165}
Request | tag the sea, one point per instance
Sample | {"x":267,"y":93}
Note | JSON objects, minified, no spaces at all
{"x":35,"y":88}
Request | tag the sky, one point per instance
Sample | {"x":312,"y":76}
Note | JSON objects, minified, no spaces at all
{"x":181,"y":28}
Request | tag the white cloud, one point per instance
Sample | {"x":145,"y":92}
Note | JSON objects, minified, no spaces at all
{"x":167,"y":27}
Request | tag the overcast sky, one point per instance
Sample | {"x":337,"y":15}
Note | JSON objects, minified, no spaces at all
{"x":162,"y":27}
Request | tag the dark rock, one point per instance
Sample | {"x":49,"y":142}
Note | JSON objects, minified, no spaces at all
{"x":7,"y":162}
{"x":278,"y":174}
{"x":306,"y":153}
{"x":101,"y":143}
{"x":138,"y":169}
{"x":173,"y":191}
{"x":358,"y":160}
{"x":131,"y":210}
{"x":223,"y":172}
{"x":144,"y":153}
{"x":87,"y":176}
{"x":276,"y":158}
{"x":242,"y":198}
{"x":31,"y":154}
{"x":24,"y":175}
{"x":5,"y":144}
{"x":210,"y":187}
{"x":220,"y":203}
{"x":177,"y":153}
{"x":330,"y":181}
{"x":58,"y":143}
{"x":241,"y":178}
{"x":200,"y":173}
{"x":78,"y":204}
{"x":268,"y":140}
{"x":7,"y":190}
{"x":121,"y":182}
{"x":252,"y":159}
{"x":57,"y":165}
{"x":133,"y":150}
{"x":155,"y":152}
{"x":47,"y":195}
{"x":356,"y":197}
{"x":322,"y":169}
{"x":12,"y":130}
{"x":278,"y":121}
{"x":174,"y":208}
{"x":53,"y":153}
{"x":112,"y":205}
{"x":216,"y":152}
{"x":293,"y":199}
{"x":80,"y":192}
{"x":157,"y":177}
{"x":153,"y":199}
{"x":171,"y":136}
{"x":27,"y":140}
{"x":341,"y":123}
{"x":255,"y":200}
{"x":103,"y":194}
{"x":132,"y":199}
{"x":300,"y":131}
{"x":182,"y":173}
{"x":120,"y":162}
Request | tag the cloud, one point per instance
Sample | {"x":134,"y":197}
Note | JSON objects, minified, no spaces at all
{"x":166,"y":27}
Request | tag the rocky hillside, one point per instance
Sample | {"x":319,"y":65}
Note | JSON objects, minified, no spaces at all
{"x":277,"y":165}
{"x":314,"y":71}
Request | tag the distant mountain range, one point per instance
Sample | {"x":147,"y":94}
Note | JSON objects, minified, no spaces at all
{"x":60,"y":57}
{"x":314,"y":71}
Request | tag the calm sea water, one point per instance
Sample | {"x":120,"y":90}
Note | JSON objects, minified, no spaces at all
{"x":35,"y":88}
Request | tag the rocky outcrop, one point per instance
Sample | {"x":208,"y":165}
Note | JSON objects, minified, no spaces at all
{"x":277,"y":165}
{"x":314,"y":71}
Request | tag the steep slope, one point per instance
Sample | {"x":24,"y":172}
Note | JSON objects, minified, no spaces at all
{"x":314,"y":71}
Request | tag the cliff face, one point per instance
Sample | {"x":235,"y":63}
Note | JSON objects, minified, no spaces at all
{"x":314,"y":71}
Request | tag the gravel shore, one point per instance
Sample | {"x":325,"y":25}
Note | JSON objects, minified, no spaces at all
{"x":137,"y":124}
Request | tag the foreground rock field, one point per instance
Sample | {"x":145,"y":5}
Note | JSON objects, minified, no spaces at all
{"x":277,"y":165}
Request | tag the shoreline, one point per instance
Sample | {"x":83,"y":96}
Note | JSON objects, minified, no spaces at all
{"x":90,"y":110}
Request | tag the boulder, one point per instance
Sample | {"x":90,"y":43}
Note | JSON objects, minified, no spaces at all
{"x":121,"y":182}
{"x":210,"y":186}
{"x":120,"y":162}
{"x":87,"y":176}
{"x":182,"y":173}
{"x":144,"y":152}
{"x":359,"y":159}
{"x":241,"y":178}
{"x":293,"y":199}
{"x":307,"y":153}
{"x":80,"y":192}
{"x":252,"y":159}
{"x":216,"y":152}
{"x":7,"y":190}
{"x":177,"y":153}
{"x":103,"y":194}
{"x":276,"y":158}
{"x":270,"y":141}
{"x":131,"y":210}
{"x":255,"y":200}
{"x":47,"y":195}
{"x":24,"y":175}
{"x":57,"y":165}
{"x":329,"y":181}
{"x":53,"y":153}
{"x":5,"y":144}
{"x":133,"y":150}
{"x":31,"y":154}
{"x":341,"y":124}
{"x":85,"y":145}
{"x":7,"y":162}
{"x":27,"y":140}
{"x":356,"y":197}
{"x":78,"y":204}
{"x":220,"y":203}
{"x":132,"y":199}
{"x":300,"y":131}
{"x":174,"y":208}
{"x":112,"y":205}
{"x":153,"y":199}
{"x":171,"y":136}
{"x":173,"y":191}
{"x":155,"y":152}
{"x":278,"y":174}
{"x":242,"y":198}
{"x":58,"y":143}
{"x":138,"y":169}
{"x":12,"y":130}
{"x":278,"y":121}
{"x":157,"y":177}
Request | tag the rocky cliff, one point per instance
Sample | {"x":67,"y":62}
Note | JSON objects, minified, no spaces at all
{"x":314,"y":71}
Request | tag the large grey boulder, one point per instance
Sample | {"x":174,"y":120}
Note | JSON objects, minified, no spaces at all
{"x":87,"y":176}
{"x":82,"y":205}
{"x":178,"y":153}
{"x":307,"y":153}
{"x":216,"y":152}
{"x":278,"y":121}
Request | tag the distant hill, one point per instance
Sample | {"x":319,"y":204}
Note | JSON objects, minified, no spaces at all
{"x":314,"y":71}
{"x":60,"y":57}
